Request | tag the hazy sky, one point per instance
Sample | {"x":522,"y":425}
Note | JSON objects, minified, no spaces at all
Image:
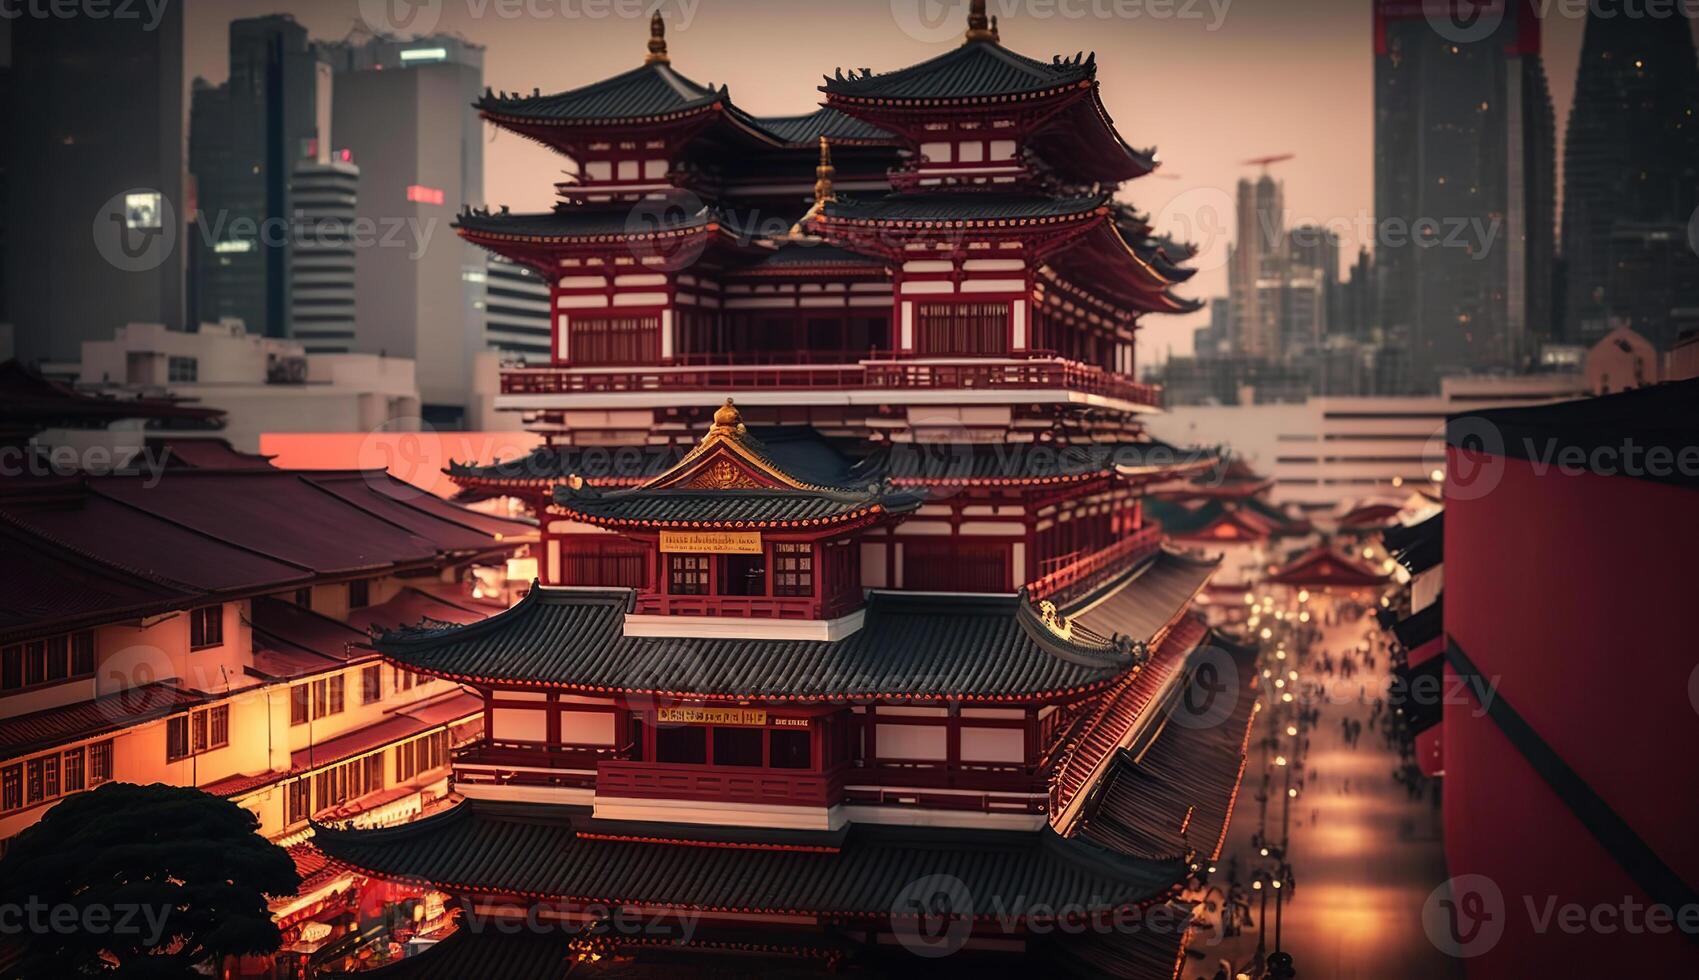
{"x":1208,"y":82}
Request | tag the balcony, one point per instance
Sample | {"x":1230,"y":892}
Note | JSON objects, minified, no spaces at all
{"x":746,"y":607}
{"x":871,"y":381}
{"x":498,"y":764}
{"x":1091,"y":569}
{"x":718,"y":784}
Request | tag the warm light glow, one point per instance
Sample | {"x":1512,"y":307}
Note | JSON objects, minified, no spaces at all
{"x":1368,"y":552}
{"x":1438,"y":476}
{"x":1266,"y":632}
{"x":1293,"y":793}
{"x":1280,"y":760}
{"x":1303,"y":617}
{"x":420,"y":194}
{"x":1291,"y":729}
{"x":1303,"y":595}
{"x":1287,"y":697}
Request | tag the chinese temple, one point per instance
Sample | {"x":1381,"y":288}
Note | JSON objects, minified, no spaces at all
{"x":853,"y":644}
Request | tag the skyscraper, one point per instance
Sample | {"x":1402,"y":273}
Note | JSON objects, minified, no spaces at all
{"x":403,"y":108}
{"x":1257,"y":266}
{"x":245,"y":138}
{"x":516,"y":311}
{"x":1631,"y":179}
{"x":95,"y":172}
{"x":1463,"y":186}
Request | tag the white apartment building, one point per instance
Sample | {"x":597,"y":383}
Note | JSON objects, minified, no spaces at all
{"x":262,"y":384}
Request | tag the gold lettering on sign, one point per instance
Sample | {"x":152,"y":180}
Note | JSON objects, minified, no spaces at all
{"x":711,"y":716}
{"x":712,"y":542}
{"x":790,"y":722}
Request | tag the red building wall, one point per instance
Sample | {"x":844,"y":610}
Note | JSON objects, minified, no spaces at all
{"x":1575,"y":595}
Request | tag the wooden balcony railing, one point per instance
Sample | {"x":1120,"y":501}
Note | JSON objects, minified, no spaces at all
{"x":728,"y":784}
{"x":1089,"y":570}
{"x":508,"y":764}
{"x":746,"y":607}
{"x":1041,"y":371}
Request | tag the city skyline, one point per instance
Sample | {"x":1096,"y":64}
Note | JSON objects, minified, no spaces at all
{"x":1227,"y":114}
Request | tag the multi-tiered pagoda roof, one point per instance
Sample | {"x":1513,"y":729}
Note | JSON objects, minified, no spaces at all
{"x":848,"y":586}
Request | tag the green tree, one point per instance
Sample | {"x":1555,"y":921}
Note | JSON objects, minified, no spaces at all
{"x":141,"y":882}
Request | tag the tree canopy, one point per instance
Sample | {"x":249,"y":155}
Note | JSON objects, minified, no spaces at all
{"x":140,"y":882}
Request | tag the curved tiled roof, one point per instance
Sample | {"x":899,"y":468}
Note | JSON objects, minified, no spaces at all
{"x":659,"y":508}
{"x":1174,"y":800}
{"x":650,"y":90}
{"x":978,"y":69}
{"x":490,"y":848}
{"x":806,"y":130}
{"x":912,"y":646}
{"x":579,"y":221}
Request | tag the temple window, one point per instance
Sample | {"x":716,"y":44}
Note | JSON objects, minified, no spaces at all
{"x":737,"y":746}
{"x":791,"y":750}
{"x":616,"y":340}
{"x":793,"y":569}
{"x":688,"y":575}
{"x":682,"y":746}
{"x":964,"y":328}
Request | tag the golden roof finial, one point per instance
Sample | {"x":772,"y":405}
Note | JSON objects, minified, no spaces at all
{"x":823,"y":192}
{"x":657,"y":41}
{"x":727,"y":417}
{"x":978,"y":28}
{"x":823,"y":175}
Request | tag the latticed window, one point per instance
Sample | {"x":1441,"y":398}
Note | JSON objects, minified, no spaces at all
{"x":616,"y":340}
{"x":963,"y":328}
{"x":687,"y":574}
{"x":793,"y":569}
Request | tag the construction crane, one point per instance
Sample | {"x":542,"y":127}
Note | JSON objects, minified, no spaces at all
{"x":1264,"y":162}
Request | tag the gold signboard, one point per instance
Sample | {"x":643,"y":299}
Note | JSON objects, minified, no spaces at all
{"x":711,"y":716}
{"x":712,"y":542}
